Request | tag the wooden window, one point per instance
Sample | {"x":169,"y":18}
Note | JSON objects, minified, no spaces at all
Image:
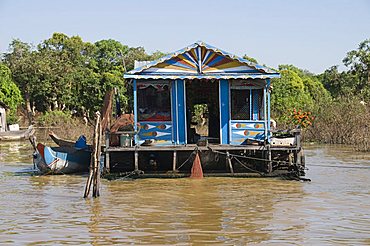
{"x":154,"y":102}
{"x":247,"y":104}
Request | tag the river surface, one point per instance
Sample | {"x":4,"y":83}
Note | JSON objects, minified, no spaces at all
{"x":333,"y":209}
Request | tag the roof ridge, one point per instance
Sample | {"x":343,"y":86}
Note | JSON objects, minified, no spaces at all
{"x":198,"y":43}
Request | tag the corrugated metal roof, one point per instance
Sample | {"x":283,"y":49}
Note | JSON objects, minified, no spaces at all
{"x":201,"y":60}
{"x":138,"y":64}
{"x":202,"y":76}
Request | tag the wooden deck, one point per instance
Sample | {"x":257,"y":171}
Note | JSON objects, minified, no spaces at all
{"x":191,"y":147}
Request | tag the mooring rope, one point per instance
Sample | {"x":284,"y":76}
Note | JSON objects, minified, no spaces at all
{"x":246,"y":167}
{"x":285,"y":162}
{"x":252,"y":158}
{"x":193,"y":152}
{"x":128,"y":175}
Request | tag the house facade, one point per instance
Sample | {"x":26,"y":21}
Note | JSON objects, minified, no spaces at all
{"x":234,"y":94}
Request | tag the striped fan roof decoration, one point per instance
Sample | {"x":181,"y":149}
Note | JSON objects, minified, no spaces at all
{"x":201,"y":60}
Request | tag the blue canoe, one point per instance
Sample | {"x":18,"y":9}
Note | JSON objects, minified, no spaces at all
{"x":62,"y":160}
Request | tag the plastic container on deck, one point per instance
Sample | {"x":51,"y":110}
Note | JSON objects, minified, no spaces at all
{"x":125,"y":140}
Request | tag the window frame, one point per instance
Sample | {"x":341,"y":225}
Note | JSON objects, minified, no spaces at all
{"x":147,"y":84}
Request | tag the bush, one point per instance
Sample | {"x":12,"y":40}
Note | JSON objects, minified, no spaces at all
{"x":344,"y":121}
{"x":54,"y":118}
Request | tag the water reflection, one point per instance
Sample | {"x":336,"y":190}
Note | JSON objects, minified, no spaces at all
{"x":333,"y":209}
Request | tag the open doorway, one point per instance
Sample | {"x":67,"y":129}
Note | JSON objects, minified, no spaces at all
{"x":202,"y":111}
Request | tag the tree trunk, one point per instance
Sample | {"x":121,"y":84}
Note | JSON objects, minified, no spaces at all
{"x":28,"y":108}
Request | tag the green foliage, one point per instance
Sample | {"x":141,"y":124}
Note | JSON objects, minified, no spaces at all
{"x":22,"y":64}
{"x":251,"y":59}
{"x":66,"y":73}
{"x":355,"y":81}
{"x":9,"y":93}
{"x":110,"y":65}
{"x":358,"y":62}
{"x":198,"y":113}
{"x":54,"y":118}
{"x":296,"y":89}
{"x":156,"y":55}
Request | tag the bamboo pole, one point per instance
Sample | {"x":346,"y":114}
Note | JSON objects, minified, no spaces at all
{"x":97,"y":162}
{"x":94,"y":174}
{"x":90,"y":178}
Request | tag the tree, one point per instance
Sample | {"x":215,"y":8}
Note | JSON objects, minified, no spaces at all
{"x":288,"y":93}
{"x":9,"y":91}
{"x":66,"y":73}
{"x":339,"y":84}
{"x":355,"y":81}
{"x":358,"y":62}
{"x":64,"y":58}
{"x":21,"y":61}
{"x":296,"y":89}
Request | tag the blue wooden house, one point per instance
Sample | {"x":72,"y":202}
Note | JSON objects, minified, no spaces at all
{"x":202,"y":100}
{"x":234,"y":91}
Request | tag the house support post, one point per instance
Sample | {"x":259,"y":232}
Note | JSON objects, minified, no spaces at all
{"x":107,"y":160}
{"x":136,"y":160}
{"x":174,"y":161}
{"x":269,"y":159}
{"x":228,"y":160}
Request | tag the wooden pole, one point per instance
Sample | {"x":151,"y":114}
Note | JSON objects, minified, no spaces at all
{"x":269,"y":159}
{"x":136,"y":160}
{"x":229,"y":162}
{"x":107,"y":157}
{"x":174,"y":160}
{"x":94,"y":175}
{"x":90,"y":178}
{"x":96,"y":187}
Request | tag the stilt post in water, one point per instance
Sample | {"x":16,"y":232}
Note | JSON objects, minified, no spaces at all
{"x":94,"y":175}
{"x":136,"y":160}
{"x":107,"y":157}
{"x":228,"y":158}
{"x":269,"y":159}
{"x":174,"y":160}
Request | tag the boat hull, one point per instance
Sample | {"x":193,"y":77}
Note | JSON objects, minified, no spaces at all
{"x":17,"y":135}
{"x":61,"y":160}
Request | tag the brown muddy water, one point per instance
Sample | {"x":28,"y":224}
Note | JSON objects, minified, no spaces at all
{"x":332,"y":209}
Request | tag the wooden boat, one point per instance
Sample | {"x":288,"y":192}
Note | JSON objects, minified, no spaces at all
{"x":61,"y":160}
{"x":17,"y":135}
{"x":61,"y":142}
{"x":67,"y":143}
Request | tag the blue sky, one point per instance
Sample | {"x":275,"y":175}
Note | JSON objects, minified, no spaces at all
{"x":313,"y":35}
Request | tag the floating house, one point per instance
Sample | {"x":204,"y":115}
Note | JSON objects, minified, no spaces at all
{"x":205,"y":99}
